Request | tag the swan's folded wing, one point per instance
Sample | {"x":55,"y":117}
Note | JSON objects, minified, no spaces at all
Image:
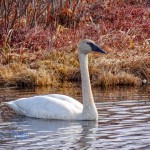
{"x":67,"y":99}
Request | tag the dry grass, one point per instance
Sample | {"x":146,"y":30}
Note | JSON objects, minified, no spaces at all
{"x":123,"y":69}
{"x":58,"y":67}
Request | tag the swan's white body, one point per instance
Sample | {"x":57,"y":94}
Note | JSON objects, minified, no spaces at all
{"x":53,"y":106}
{"x":56,"y":106}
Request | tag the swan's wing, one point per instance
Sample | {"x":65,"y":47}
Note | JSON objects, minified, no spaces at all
{"x":45,"y":107}
{"x":67,"y":99}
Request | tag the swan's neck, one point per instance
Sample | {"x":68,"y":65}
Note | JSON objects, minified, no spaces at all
{"x":89,"y":109}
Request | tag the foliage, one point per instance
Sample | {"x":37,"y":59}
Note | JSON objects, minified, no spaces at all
{"x":30,"y":29}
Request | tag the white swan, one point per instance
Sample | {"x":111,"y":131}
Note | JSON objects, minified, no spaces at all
{"x":56,"y":106}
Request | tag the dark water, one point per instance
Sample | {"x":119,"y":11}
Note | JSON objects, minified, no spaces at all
{"x":123,"y":124}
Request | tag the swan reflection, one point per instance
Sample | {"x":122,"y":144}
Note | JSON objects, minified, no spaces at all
{"x":51,"y":131}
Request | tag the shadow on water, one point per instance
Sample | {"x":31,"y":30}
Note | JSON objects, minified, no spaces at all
{"x":124,"y":118}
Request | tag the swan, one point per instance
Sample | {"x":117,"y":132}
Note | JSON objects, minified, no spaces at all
{"x":62,"y":107}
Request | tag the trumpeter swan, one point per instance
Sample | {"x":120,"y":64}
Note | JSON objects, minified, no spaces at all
{"x":57,"y":106}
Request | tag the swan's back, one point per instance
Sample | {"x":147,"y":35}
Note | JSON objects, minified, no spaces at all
{"x":52,"y":106}
{"x":67,"y":99}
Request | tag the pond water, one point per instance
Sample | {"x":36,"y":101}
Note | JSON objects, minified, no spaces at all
{"x":124,"y":122}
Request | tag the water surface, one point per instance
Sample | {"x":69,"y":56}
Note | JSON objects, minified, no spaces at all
{"x":124,"y":122}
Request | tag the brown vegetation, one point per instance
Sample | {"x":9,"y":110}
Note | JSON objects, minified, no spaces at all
{"x":38,"y":42}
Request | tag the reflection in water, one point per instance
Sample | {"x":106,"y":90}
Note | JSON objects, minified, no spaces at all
{"x":29,"y":132}
{"x":124,"y":123}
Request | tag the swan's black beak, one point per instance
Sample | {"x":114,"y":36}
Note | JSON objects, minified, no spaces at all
{"x":95,"y":48}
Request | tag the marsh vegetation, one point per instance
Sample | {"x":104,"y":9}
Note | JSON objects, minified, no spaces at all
{"x":38,"y":42}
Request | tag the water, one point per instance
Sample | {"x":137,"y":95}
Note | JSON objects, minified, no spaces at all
{"x":124,"y":123}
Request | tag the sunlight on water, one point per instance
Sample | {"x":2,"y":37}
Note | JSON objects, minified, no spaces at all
{"x":124,"y":123}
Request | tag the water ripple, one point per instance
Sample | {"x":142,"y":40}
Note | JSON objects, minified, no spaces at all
{"x":123,"y":123}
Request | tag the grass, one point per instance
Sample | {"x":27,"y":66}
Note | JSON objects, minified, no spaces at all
{"x":56,"y":68}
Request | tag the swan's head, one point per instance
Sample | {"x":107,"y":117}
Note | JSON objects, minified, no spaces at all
{"x":86,"y":46}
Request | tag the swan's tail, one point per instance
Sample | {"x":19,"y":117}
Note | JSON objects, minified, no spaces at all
{"x":11,"y":105}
